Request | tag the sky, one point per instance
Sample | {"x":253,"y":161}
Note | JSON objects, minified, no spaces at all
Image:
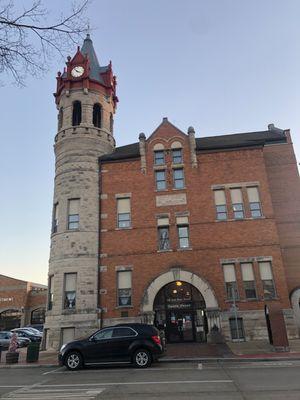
{"x":222,"y":66}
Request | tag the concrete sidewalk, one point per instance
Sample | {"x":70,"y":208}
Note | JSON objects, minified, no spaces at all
{"x":242,"y":351}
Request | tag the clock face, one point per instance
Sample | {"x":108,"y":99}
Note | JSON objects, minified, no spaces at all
{"x":77,"y":71}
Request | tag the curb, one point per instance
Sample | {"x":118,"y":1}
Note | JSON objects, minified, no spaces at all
{"x":177,"y":360}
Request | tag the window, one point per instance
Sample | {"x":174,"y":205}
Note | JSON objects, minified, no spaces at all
{"x":60,"y":118}
{"x":104,"y":334}
{"x":249,"y":280}
{"x":123,"y":332}
{"x":237,"y":328}
{"x":230,"y":282}
{"x":178,"y":178}
{"x":160,"y":178}
{"x":55,"y":218}
{"x":183,"y":232}
{"x":254,"y":202}
{"x":177,"y":156}
{"x":67,"y":335}
{"x":50,"y":292}
{"x":124,"y":288}
{"x":70,"y":290}
{"x":159,"y":157}
{"x":76,"y":116}
{"x":111,"y":123}
{"x":123,"y":210}
{"x":220,"y":202}
{"x":97,"y":115}
{"x":237,"y":203}
{"x":38,"y":316}
{"x":163,"y":238}
{"x":73,"y":214}
{"x":266,"y":276}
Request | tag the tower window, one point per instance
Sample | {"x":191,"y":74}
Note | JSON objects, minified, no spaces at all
{"x":60,"y":118}
{"x":73,"y":214}
{"x":55,"y":218}
{"x":70,"y":290}
{"x":111,"y":123}
{"x":97,"y":115}
{"x":76,"y":117}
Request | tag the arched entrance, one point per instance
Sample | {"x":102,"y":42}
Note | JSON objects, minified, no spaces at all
{"x":180,"y":311}
{"x":204,"y":296}
{"x":10,"y":319}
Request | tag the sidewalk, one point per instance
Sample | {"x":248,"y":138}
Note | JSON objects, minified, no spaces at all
{"x":197,"y":352}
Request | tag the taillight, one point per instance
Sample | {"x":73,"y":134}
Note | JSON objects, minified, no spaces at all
{"x":156,"y":339}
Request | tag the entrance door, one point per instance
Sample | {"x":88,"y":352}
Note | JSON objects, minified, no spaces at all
{"x":180,"y":326}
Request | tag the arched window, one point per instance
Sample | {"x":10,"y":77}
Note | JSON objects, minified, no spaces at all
{"x":38,"y":316}
{"x":60,"y":118}
{"x":97,"y":115}
{"x":111,"y":123}
{"x":76,"y":117}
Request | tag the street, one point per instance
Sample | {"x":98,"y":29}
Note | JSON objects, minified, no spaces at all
{"x":214,"y":381}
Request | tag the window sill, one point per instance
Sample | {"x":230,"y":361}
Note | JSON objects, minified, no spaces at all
{"x":177,"y":165}
{"x":67,"y":311}
{"x":164,"y":251}
{"x":123,"y":229}
{"x":159,"y":167}
{"x":184,"y":249}
{"x":161,"y":190}
{"x":123,"y":307}
{"x":241,"y":219}
{"x":176,"y":189}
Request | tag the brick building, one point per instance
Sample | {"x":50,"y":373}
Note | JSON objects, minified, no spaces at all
{"x":21,"y":303}
{"x":195,"y":235}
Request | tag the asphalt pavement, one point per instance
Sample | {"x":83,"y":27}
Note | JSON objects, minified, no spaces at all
{"x":273,"y":380}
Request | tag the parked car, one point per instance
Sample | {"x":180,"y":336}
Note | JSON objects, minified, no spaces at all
{"x":37,"y":327}
{"x":5,"y":337}
{"x":139,"y":344}
{"x":27,"y":333}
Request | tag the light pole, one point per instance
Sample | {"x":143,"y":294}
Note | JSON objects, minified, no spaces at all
{"x":235,"y":311}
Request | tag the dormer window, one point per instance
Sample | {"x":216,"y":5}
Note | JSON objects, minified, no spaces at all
{"x":159,"y":157}
{"x":159,"y":154}
{"x":76,"y":116}
{"x":97,"y":115}
{"x":176,"y":152}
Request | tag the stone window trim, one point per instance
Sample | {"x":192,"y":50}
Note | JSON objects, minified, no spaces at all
{"x":161,"y":167}
{"x":234,"y":185}
{"x":122,"y":195}
{"x":182,"y":214}
{"x":176,"y":180}
{"x":244,"y":260}
{"x":123,"y":268}
{"x":69,"y":296}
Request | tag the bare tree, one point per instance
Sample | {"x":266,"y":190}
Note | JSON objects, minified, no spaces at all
{"x":28,"y":41}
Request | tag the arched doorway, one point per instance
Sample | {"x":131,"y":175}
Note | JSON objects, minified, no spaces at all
{"x":10,"y":319}
{"x":179,"y":310}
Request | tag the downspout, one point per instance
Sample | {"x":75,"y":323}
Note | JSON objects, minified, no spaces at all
{"x":99,"y":309}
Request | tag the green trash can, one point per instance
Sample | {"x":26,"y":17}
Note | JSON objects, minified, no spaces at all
{"x":33,"y":351}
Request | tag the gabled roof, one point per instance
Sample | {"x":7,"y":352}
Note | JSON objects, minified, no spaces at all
{"x":210,"y":143}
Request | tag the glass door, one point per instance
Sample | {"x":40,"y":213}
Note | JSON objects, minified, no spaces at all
{"x":180,"y":326}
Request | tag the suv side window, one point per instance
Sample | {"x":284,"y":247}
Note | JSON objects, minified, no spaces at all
{"x":123,"y":332}
{"x":104,"y":334}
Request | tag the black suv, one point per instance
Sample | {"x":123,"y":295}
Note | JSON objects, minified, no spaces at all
{"x":139,"y":344}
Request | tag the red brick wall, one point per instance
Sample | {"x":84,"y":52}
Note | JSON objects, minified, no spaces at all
{"x":284,"y":183}
{"x":210,"y":241}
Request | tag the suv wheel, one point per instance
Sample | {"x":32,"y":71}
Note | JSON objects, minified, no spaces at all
{"x":142,"y":358}
{"x":73,"y":361}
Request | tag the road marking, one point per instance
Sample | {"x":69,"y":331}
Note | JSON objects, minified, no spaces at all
{"x":30,"y":393}
{"x":53,"y":371}
{"x":109,"y":371}
{"x":138,"y":383}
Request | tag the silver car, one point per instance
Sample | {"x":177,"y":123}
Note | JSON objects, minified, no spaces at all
{"x":5,"y":337}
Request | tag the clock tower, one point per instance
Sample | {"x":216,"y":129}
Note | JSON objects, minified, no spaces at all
{"x":86,"y":102}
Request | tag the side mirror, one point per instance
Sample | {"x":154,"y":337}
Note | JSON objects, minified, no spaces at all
{"x":92,"y":339}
